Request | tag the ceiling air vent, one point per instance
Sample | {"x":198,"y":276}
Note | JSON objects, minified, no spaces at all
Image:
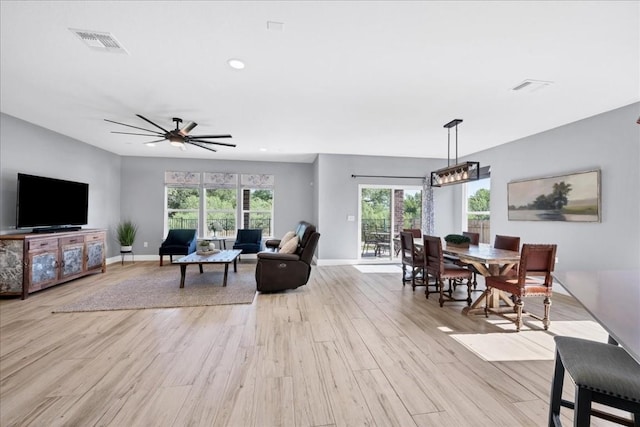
{"x":96,"y":40}
{"x":531,"y":85}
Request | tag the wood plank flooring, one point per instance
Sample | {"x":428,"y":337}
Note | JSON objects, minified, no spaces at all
{"x":347,"y":349}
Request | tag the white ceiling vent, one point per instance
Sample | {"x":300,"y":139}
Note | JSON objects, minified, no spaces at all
{"x":104,"y":42}
{"x":531,"y":85}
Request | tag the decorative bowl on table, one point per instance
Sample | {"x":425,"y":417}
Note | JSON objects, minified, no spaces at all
{"x":206,"y":247}
{"x":207,"y":251}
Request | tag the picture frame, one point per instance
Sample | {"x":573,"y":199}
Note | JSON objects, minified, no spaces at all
{"x":572,"y":197}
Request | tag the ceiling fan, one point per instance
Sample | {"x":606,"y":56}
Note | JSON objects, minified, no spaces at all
{"x":177,"y":137}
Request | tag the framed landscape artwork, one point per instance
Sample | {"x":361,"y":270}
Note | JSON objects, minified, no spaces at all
{"x":573,"y":197}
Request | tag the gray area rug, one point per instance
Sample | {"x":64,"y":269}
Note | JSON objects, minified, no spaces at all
{"x":162,"y":290}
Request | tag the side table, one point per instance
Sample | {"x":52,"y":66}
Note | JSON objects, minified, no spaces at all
{"x":222,"y":243}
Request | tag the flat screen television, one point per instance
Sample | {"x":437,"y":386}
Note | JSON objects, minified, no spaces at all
{"x":53,"y":204}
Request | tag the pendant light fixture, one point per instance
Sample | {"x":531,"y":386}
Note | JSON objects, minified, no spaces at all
{"x":459,"y":173}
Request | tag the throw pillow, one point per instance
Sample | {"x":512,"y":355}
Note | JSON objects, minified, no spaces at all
{"x":290,"y":247}
{"x":288,"y":236}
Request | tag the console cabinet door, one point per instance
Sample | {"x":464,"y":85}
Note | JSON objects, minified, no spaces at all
{"x":95,"y":255}
{"x":11,"y":266}
{"x":43,"y":269}
{"x":72,"y":257}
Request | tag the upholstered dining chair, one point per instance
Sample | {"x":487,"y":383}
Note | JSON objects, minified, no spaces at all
{"x":509,"y":243}
{"x":475,"y":240}
{"x":416,"y":232}
{"x":412,"y":257}
{"x":533,"y":279}
{"x":435,"y":266}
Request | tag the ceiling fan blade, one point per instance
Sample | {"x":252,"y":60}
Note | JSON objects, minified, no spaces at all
{"x":226,"y":144}
{"x":135,"y":127}
{"x":188,"y":128}
{"x":141,"y":134}
{"x":201,"y":146}
{"x":210,"y":136}
{"x":149,"y":121}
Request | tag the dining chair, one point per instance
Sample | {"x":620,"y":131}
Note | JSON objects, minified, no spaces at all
{"x":411,"y":257}
{"x":475,"y":240}
{"x":416,"y":232}
{"x":368,"y":239}
{"x":509,"y":243}
{"x":533,"y":279}
{"x":435,"y":266}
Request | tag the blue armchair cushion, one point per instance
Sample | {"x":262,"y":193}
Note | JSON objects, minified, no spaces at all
{"x":249,"y":240}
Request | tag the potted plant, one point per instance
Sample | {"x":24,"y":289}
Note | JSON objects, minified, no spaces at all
{"x":457,"y":240}
{"x":126,"y":233}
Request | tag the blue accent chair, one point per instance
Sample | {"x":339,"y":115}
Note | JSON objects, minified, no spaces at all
{"x":249,"y":240}
{"x":179,"y":241}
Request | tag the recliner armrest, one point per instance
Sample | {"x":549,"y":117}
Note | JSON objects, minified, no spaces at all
{"x":272,"y":243}
{"x":277,"y":256}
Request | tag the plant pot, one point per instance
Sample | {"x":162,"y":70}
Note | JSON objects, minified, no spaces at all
{"x":464,"y":245}
{"x":126,"y":248}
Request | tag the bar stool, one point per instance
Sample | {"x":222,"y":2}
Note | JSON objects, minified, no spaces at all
{"x":602,"y":373}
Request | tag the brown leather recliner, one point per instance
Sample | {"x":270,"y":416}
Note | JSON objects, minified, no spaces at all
{"x":278,"y":271}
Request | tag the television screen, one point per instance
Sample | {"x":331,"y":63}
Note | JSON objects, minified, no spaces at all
{"x":50,"y":202}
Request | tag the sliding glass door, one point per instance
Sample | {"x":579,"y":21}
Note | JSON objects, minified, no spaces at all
{"x":384,"y":212}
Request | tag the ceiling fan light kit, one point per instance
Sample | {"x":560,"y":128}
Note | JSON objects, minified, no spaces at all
{"x":458,"y":173}
{"x":177,"y":137}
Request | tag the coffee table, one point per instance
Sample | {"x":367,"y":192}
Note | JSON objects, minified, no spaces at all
{"x":225,"y":257}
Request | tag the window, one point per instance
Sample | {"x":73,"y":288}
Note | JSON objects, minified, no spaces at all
{"x":183,"y":207}
{"x":220,"y":211}
{"x":257,"y":209}
{"x":478,"y":208}
{"x":213,"y":204}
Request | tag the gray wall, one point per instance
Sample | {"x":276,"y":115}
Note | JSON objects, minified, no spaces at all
{"x":143,"y":192}
{"x":325,"y":192}
{"x":34,"y":150}
{"x":609,"y":142}
{"x":338,"y":198}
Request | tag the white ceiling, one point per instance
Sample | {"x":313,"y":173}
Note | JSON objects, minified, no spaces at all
{"x":377,"y":78}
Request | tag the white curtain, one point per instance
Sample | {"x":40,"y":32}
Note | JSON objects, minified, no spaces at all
{"x":428,"y":221}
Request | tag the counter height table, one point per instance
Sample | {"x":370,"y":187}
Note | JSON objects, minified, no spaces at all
{"x":612,"y":297}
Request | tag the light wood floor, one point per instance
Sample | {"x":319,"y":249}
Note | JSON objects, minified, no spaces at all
{"x":348,"y":349}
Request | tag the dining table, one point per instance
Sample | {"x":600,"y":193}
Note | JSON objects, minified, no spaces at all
{"x":488,"y":261}
{"x":612,"y":298}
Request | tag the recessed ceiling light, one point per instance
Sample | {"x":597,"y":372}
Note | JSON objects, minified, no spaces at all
{"x":236,"y":64}
{"x":263,"y":149}
{"x":530,"y":85}
{"x":275,"y":26}
{"x":150,"y":144}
